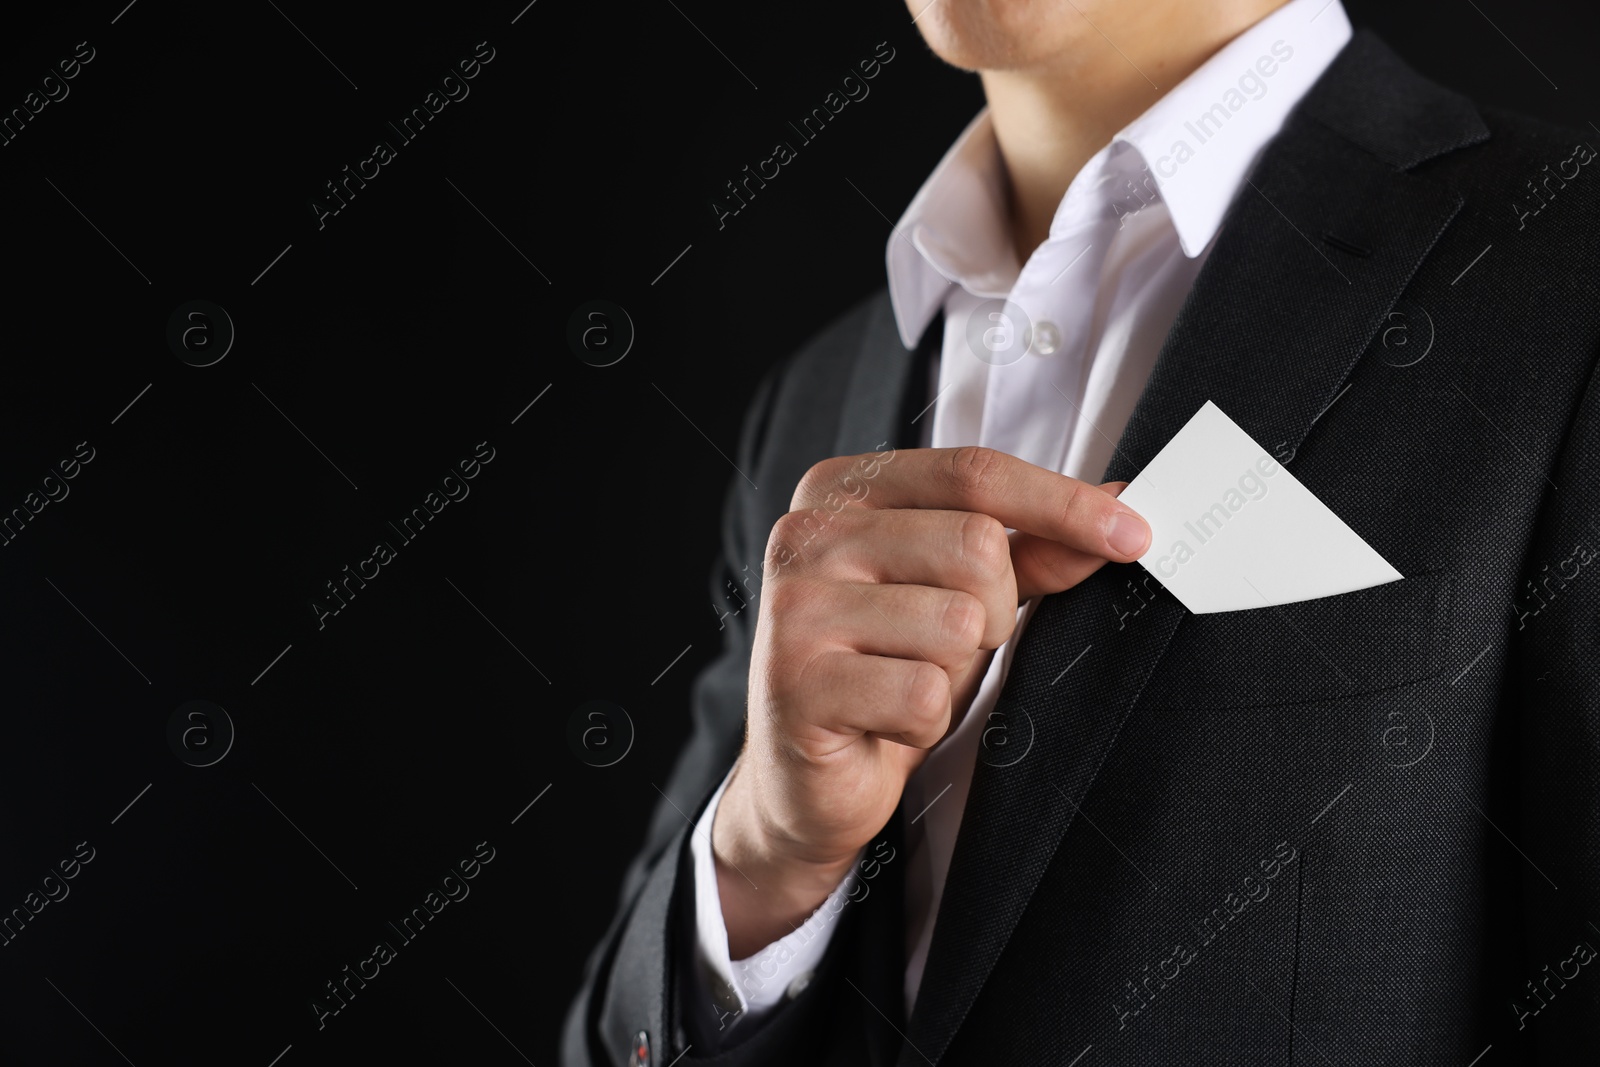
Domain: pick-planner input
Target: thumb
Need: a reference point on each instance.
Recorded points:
(1044, 566)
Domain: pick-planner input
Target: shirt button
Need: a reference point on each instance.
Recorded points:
(1046, 338)
(798, 986)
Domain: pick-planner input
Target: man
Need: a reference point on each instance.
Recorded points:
(975, 788)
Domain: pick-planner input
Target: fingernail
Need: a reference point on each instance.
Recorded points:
(1126, 533)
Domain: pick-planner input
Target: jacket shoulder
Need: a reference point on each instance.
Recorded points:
(811, 387)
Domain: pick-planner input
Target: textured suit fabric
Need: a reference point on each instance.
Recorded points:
(1362, 829)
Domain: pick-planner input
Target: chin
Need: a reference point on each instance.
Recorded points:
(1000, 34)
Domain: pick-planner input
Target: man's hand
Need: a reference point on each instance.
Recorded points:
(886, 590)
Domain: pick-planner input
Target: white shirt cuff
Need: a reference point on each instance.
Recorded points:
(747, 990)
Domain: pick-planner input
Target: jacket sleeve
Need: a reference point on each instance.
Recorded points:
(1555, 682)
(629, 979)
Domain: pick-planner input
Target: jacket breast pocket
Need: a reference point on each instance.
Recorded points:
(1324, 649)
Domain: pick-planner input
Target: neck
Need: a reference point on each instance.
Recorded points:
(1050, 120)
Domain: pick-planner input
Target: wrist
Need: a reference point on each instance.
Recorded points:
(766, 887)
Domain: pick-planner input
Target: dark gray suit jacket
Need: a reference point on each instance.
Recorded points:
(1363, 829)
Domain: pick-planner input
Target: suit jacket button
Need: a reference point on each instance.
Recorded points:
(640, 1054)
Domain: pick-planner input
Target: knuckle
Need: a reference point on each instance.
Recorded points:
(963, 620)
(788, 530)
(973, 470)
(927, 692)
(779, 600)
(787, 602)
(805, 669)
(985, 549)
(1076, 505)
(1057, 568)
(797, 675)
(818, 481)
(778, 554)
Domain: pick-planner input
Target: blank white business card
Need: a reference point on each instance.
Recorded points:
(1233, 529)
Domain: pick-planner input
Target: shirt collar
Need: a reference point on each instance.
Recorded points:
(1199, 142)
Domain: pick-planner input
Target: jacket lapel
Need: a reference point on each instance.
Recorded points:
(882, 400)
(1275, 322)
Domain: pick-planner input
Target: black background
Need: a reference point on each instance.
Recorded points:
(379, 350)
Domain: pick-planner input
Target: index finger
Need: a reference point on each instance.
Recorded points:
(1019, 494)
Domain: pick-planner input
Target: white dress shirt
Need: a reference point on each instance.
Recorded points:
(1043, 360)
